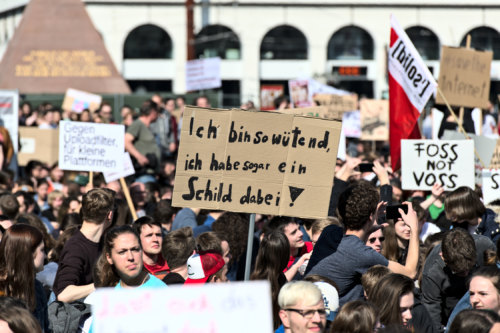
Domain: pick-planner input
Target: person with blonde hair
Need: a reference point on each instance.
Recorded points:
(301, 307)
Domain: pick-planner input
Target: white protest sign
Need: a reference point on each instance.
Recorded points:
(447, 162)
(90, 146)
(341, 153)
(491, 185)
(208, 308)
(203, 74)
(351, 124)
(128, 169)
(9, 118)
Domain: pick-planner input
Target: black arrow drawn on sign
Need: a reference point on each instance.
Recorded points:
(294, 193)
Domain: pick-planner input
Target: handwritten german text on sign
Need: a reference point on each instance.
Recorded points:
(90, 147)
(256, 162)
(447, 162)
(491, 185)
(464, 77)
(208, 308)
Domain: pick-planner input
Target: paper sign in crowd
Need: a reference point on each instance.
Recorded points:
(256, 162)
(91, 146)
(127, 170)
(426, 162)
(77, 101)
(491, 185)
(9, 116)
(205, 308)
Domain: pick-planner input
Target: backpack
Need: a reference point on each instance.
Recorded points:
(66, 317)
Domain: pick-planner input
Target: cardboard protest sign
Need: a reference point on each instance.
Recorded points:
(203, 74)
(320, 112)
(374, 119)
(206, 308)
(256, 162)
(448, 162)
(268, 93)
(313, 111)
(77, 101)
(495, 158)
(91, 146)
(9, 118)
(337, 104)
(491, 185)
(127, 170)
(464, 77)
(299, 93)
(38, 144)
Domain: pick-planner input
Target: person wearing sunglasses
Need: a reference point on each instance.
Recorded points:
(301, 308)
(376, 239)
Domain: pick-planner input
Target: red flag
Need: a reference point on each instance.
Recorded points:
(410, 87)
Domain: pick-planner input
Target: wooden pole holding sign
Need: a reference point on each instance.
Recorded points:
(461, 112)
(251, 230)
(91, 179)
(459, 125)
(129, 199)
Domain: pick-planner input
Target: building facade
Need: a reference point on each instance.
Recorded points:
(260, 42)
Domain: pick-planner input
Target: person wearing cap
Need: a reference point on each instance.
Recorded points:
(301, 308)
(206, 267)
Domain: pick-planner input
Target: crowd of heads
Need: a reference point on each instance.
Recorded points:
(403, 273)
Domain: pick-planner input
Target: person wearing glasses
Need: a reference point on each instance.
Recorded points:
(376, 239)
(301, 308)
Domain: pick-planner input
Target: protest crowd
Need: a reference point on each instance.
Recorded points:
(385, 259)
(430, 267)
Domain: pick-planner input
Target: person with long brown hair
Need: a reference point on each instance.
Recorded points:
(15, 318)
(272, 259)
(17, 273)
(120, 264)
(355, 317)
(393, 297)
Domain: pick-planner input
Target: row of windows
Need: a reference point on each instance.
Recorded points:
(286, 42)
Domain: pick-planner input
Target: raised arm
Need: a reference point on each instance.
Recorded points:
(411, 265)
